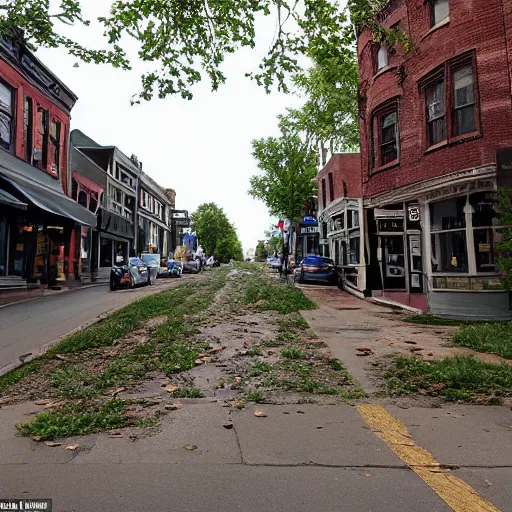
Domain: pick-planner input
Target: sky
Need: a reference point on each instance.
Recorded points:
(201, 148)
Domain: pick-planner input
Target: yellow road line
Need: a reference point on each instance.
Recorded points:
(455, 492)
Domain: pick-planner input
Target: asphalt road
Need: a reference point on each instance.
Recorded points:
(27, 326)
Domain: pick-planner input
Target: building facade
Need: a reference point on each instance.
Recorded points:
(341, 218)
(37, 217)
(117, 216)
(433, 122)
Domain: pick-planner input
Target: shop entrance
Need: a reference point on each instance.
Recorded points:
(393, 262)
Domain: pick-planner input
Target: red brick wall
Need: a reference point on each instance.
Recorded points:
(22, 88)
(345, 168)
(475, 25)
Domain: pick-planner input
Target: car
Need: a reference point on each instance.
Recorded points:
(274, 262)
(317, 269)
(152, 261)
(130, 273)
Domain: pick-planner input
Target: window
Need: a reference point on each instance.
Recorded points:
(331, 187)
(55, 130)
(106, 249)
(354, 247)
(93, 203)
(484, 219)
(382, 57)
(28, 128)
(388, 151)
(464, 101)
(451, 101)
(6, 116)
(324, 194)
(83, 198)
(439, 11)
(436, 112)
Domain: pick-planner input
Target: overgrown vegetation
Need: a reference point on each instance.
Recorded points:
(463, 378)
(80, 419)
(435, 320)
(495, 338)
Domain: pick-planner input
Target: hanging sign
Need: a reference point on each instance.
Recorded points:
(414, 213)
(388, 214)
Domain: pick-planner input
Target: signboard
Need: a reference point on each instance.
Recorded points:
(504, 162)
(306, 230)
(309, 220)
(388, 214)
(467, 283)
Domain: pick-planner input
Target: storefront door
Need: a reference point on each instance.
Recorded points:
(393, 262)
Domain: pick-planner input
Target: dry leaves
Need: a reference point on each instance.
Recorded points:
(170, 388)
(71, 447)
(260, 414)
(228, 425)
(173, 407)
(214, 350)
(37, 438)
(367, 475)
(116, 391)
(190, 447)
(52, 444)
(53, 405)
(238, 380)
(42, 402)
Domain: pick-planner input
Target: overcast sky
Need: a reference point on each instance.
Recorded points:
(202, 147)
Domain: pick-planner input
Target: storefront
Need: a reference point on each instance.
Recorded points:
(307, 238)
(345, 235)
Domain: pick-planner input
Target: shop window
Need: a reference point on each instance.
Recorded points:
(28, 128)
(324, 194)
(439, 11)
(448, 215)
(354, 247)
(6, 117)
(485, 219)
(449, 252)
(385, 136)
(436, 112)
(464, 101)
(106, 249)
(353, 219)
(382, 58)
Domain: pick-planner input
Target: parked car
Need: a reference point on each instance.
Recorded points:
(131, 273)
(152, 261)
(274, 262)
(317, 269)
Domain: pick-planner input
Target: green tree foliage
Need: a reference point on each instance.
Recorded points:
(261, 252)
(216, 234)
(184, 41)
(275, 245)
(288, 167)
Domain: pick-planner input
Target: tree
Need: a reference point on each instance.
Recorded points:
(275, 244)
(261, 252)
(187, 40)
(216, 234)
(504, 245)
(289, 167)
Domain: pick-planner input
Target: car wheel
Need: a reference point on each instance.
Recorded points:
(113, 285)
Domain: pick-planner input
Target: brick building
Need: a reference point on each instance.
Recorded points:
(432, 122)
(36, 215)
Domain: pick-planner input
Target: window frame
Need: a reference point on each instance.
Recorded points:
(377, 67)
(331, 187)
(324, 194)
(12, 117)
(378, 115)
(28, 128)
(432, 21)
(446, 72)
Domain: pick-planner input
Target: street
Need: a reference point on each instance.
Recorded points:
(289, 451)
(28, 326)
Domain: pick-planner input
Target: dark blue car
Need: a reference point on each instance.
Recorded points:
(317, 269)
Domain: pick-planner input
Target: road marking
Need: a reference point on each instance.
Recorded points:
(459, 496)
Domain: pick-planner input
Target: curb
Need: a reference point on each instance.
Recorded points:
(393, 304)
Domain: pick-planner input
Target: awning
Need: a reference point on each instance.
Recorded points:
(53, 202)
(9, 200)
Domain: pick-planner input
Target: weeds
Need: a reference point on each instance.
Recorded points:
(254, 396)
(259, 367)
(187, 393)
(254, 351)
(456, 378)
(495, 338)
(292, 353)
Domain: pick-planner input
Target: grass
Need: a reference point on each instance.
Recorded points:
(255, 395)
(276, 296)
(495, 338)
(254, 351)
(456, 378)
(78, 419)
(259, 367)
(435, 320)
(187, 393)
(292, 353)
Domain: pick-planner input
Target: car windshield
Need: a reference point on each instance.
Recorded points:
(151, 259)
(317, 260)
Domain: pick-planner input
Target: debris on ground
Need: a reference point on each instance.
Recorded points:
(190, 447)
(52, 444)
(260, 414)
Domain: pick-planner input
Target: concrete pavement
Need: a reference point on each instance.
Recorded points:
(28, 326)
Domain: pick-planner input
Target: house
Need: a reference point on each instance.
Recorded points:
(37, 217)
